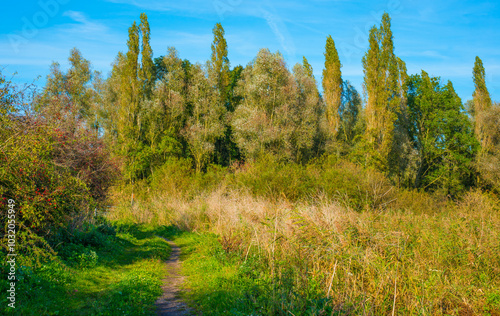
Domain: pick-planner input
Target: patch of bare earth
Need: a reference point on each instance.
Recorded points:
(170, 303)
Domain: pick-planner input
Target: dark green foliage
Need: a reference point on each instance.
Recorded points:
(225, 81)
(234, 98)
(441, 133)
(226, 149)
(349, 111)
(159, 68)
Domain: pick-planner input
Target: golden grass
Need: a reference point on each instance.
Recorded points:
(388, 260)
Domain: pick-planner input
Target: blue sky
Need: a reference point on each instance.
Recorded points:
(440, 37)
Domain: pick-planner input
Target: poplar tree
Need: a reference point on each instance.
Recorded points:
(486, 129)
(218, 66)
(147, 73)
(307, 67)
(128, 91)
(382, 74)
(481, 102)
(332, 86)
(219, 77)
(130, 86)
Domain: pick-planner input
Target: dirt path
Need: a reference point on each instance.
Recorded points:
(170, 304)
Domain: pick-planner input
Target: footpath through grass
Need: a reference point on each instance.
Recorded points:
(224, 279)
(105, 270)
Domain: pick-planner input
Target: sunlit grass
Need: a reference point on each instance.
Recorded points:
(125, 281)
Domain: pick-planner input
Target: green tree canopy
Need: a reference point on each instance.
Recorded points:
(441, 133)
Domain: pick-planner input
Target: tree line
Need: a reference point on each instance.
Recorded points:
(414, 128)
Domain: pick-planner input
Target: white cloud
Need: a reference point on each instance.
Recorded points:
(281, 32)
(84, 25)
(155, 5)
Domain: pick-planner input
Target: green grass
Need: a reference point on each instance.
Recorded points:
(222, 282)
(124, 280)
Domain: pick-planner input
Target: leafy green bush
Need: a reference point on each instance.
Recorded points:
(358, 188)
(173, 176)
(79, 255)
(177, 175)
(89, 235)
(54, 168)
(107, 229)
(271, 178)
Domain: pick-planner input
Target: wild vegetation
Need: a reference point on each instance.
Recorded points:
(286, 200)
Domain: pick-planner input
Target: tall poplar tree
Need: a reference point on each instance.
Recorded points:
(382, 73)
(332, 86)
(130, 88)
(218, 66)
(486, 129)
(147, 73)
(219, 76)
(481, 102)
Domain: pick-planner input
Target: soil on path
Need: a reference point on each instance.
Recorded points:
(170, 303)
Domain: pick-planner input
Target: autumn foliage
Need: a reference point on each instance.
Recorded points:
(55, 169)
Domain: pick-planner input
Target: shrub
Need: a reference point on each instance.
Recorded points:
(54, 168)
(79, 255)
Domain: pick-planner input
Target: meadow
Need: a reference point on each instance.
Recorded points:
(323, 239)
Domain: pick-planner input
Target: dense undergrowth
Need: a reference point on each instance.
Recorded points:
(327, 237)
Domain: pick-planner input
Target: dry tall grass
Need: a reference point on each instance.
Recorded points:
(378, 262)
